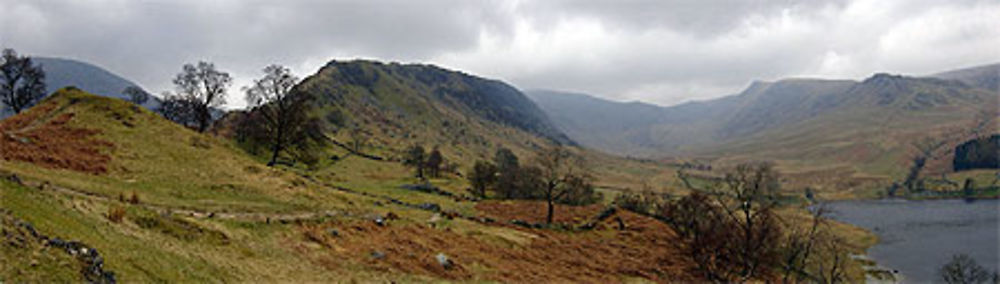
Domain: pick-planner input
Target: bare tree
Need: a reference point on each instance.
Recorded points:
(800, 246)
(22, 84)
(963, 269)
(204, 87)
(748, 199)
(558, 167)
(283, 112)
(136, 95)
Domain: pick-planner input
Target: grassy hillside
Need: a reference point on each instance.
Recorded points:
(204, 211)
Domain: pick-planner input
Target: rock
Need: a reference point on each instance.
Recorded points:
(436, 218)
(429, 207)
(391, 216)
(13, 178)
(520, 223)
(334, 233)
(377, 255)
(444, 261)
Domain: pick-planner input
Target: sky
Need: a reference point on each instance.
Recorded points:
(663, 52)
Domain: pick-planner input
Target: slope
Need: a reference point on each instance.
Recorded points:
(203, 211)
(646, 130)
(985, 77)
(397, 105)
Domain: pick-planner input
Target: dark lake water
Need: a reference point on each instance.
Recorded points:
(918, 237)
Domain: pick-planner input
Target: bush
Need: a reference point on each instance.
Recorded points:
(116, 214)
(645, 202)
(134, 199)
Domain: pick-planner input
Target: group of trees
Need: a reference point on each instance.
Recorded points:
(555, 176)
(22, 83)
(277, 118)
(731, 232)
(425, 164)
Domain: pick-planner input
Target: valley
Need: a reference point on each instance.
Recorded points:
(96, 188)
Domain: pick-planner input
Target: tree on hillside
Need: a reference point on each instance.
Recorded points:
(279, 114)
(359, 139)
(204, 87)
(560, 175)
(482, 176)
(434, 162)
(508, 170)
(177, 109)
(416, 157)
(22, 83)
(136, 95)
(748, 198)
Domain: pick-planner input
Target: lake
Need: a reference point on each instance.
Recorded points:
(918, 237)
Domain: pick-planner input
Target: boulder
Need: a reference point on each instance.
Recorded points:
(443, 260)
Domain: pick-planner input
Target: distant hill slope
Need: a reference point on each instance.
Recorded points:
(61, 73)
(871, 122)
(986, 77)
(397, 105)
(649, 130)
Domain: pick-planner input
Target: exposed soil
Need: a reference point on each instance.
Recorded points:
(39, 138)
(536, 211)
(604, 255)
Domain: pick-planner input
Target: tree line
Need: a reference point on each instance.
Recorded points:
(555, 175)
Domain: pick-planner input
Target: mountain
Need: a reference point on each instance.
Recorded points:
(867, 125)
(986, 77)
(649, 130)
(396, 105)
(61, 72)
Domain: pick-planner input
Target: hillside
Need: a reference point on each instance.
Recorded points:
(985, 77)
(638, 129)
(94, 188)
(397, 105)
(862, 129)
(61, 73)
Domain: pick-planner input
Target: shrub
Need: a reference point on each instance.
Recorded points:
(645, 202)
(134, 199)
(116, 214)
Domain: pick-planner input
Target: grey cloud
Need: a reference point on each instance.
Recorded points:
(663, 52)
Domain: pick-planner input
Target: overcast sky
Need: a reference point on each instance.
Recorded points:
(662, 52)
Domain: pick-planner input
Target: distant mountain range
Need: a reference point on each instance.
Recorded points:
(60, 73)
(791, 118)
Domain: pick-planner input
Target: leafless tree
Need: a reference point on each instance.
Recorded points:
(558, 167)
(963, 269)
(748, 199)
(22, 84)
(204, 87)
